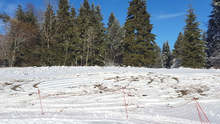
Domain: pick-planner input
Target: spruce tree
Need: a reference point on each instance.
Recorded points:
(139, 45)
(178, 51)
(74, 48)
(48, 35)
(114, 41)
(166, 56)
(83, 24)
(158, 60)
(91, 35)
(193, 47)
(62, 32)
(97, 34)
(213, 36)
(20, 16)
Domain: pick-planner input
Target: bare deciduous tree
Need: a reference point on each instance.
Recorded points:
(19, 34)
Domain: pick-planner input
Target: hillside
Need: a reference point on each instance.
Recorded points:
(102, 95)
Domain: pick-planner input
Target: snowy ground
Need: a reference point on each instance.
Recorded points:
(95, 95)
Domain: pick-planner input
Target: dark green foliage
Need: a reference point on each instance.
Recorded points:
(83, 24)
(48, 35)
(213, 36)
(63, 34)
(139, 45)
(166, 56)
(74, 38)
(98, 49)
(24, 39)
(91, 35)
(178, 51)
(69, 38)
(114, 41)
(158, 60)
(20, 15)
(193, 46)
(178, 47)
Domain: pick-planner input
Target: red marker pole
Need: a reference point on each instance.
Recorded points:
(206, 117)
(199, 108)
(199, 114)
(40, 101)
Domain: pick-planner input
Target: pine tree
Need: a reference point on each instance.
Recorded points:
(166, 56)
(30, 16)
(83, 24)
(97, 34)
(114, 41)
(91, 35)
(158, 59)
(74, 48)
(178, 51)
(20, 16)
(63, 23)
(139, 44)
(48, 35)
(194, 47)
(213, 36)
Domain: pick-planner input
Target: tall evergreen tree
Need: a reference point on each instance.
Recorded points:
(98, 37)
(20, 15)
(83, 24)
(178, 51)
(63, 23)
(213, 36)
(114, 41)
(158, 60)
(48, 35)
(139, 44)
(166, 56)
(194, 47)
(74, 48)
(30, 17)
(91, 35)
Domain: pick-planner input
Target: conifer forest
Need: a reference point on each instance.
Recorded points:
(65, 36)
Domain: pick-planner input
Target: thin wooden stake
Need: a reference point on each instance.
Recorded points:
(42, 112)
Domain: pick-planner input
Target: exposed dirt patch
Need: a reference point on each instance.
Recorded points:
(15, 88)
(7, 84)
(36, 85)
(176, 79)
(193, 89)
(183, 92)
(151, 80)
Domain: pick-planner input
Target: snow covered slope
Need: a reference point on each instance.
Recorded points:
(101, 95)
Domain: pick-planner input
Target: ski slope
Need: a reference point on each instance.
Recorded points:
(108, 95)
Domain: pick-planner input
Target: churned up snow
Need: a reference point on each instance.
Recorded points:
(108, 95)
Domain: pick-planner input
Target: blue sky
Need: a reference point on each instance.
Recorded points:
(167, 16)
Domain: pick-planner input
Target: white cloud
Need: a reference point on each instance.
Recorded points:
(168, 16)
